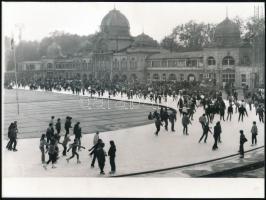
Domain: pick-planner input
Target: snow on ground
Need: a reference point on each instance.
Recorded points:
(138, 149)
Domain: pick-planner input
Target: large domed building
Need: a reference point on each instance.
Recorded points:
(227, 34)
(116, 55)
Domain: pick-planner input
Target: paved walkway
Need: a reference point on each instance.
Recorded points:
(138, 149)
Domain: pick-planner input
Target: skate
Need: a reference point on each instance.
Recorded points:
(78, 161)
(15, 150)
(67, 160)
(45, 166)
(53, 166)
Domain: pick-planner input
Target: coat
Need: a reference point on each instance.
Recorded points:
(254, 130)
(111, 151)
(101, 155)
(217, 131)
(185, 120)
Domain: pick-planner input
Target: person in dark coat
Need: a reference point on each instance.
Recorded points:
(77, 133)
(49, 133)
(112, 154)
(206, 130)
(58, 128)
(243, 139)
(68, 124)
(158, 125)
(94, 151)
(165, 117)
(221, 111)
(216, 135)
(13, 137)
(8, 146)
(101, 157)
(254, 132)
(74, 147)
(150, 116)
(242, 111)
(260, 111)
(172, 119)
(180, 104)
(230, 111)
(185, 123)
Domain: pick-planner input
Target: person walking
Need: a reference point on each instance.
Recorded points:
(101, 157)
(242, 111)
(185, 123)
(68, 124)
(206, 130)
(41, 147)
(165, 117)
(229, 112)
(13, 137)
(94, 152)
(77, 133)
(52, 152)
(243, 139)
(158, 125)
(8, 146)
(49, 133)
(260, 111)
(64, 144)
(216, 135)
(74, 147)
(58, 128)
(203, 120)
(254, 132)
(172, 119)
(112, 154)
(52, 121)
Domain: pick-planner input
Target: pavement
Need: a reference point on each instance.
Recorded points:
(139, 150)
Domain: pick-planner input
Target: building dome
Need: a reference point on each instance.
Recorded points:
(144, 40)
(227, 33)
(115, 23)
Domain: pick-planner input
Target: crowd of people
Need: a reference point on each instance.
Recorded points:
(188, 95)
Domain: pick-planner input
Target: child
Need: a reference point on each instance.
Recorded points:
(111, 154)
(74, 150)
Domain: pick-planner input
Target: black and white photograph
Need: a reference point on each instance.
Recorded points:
(101, 98)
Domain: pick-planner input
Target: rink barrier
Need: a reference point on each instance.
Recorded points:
(183, 166)
(240, 169)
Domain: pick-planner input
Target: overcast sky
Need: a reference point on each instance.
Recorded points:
(84, 18)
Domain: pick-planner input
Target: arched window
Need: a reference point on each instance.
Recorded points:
(211, 60)
(156, 77)
(164, 77)
(49, 66)
(172, 77)
(228, 60)
(148, 77)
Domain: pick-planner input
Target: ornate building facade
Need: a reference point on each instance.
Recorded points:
(117, 55)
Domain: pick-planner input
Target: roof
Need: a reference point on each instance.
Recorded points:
(115, 18)
(190, 54)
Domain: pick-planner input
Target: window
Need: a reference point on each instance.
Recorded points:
(181, 77)
(164, 63)
(192, 62)
(211, 61)
(164, 77)
(155, 77)
(49, 66)
(155, 64)
(200, 77)
(243, 78)
(245, 60)
(148, 77)
(172, 77)
(229, 78)
(228, 60)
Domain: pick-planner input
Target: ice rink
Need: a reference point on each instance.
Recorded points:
(138, 149)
